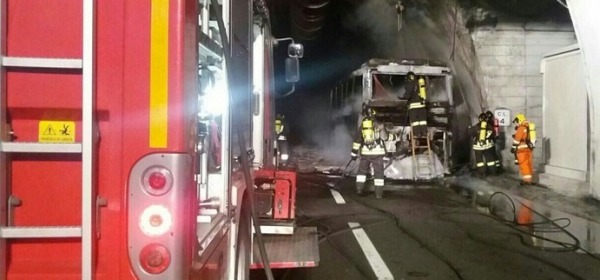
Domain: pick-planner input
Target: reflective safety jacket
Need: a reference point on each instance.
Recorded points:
(369, 140)
(483, 136)
(521, 137)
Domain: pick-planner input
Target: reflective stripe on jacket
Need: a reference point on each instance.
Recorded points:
(416, 105)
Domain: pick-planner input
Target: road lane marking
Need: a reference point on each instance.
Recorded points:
(377, 264)
(337, 196)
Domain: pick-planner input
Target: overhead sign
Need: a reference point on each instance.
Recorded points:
(56, 132)
(503, 117)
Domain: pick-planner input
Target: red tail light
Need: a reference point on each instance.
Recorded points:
(157, 180)
(155, 258)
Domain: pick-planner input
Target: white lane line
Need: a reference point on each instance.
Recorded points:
(337, 196)
(377, 264)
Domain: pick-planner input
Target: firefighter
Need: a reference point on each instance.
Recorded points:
(417, 113)
(281, 146)
(483, 146)
(491, 120)
(523, 147)
(369, 143)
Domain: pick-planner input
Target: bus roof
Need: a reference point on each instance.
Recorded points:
(403, 66)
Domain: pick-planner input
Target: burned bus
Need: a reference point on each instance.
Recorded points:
(379, 84)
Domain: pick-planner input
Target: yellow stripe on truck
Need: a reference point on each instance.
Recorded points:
(159, 73)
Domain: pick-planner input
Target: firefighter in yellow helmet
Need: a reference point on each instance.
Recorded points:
(369, 143)
(523, 144)
(281, 144)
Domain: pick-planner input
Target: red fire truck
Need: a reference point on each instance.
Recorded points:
(134, 135)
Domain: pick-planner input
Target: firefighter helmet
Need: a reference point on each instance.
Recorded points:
(489, 115)
(410, 76)
(367, 110)
(482, 117)
(279, 123)
(519, 118)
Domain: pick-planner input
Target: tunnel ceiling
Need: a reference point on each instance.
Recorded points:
(335, 43)
(310, 20)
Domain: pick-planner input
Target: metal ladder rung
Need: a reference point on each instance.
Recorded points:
(38, 62)
(40, 232)
(34, 147)
(209, 47)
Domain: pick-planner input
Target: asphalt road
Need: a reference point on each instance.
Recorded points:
(425, 232)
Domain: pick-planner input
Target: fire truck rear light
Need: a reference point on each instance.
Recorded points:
(157, 180)
(155, 220)
(155, 258)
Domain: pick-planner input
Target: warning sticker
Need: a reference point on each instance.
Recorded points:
(56, 132)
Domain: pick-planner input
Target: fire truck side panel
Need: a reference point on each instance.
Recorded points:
(110, 57)
(48, 187)
(146, 99)
(162, 96)
(44, 28)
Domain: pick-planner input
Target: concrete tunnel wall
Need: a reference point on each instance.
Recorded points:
(510, 55)
(584, 14)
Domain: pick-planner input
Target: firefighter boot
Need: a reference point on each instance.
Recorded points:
(379, 192)
(379, 188)
(360, 187)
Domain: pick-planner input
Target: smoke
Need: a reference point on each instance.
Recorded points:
(328, 131)
(344, 122)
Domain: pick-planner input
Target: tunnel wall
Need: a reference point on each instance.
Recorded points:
(510, 55)
(584, 15)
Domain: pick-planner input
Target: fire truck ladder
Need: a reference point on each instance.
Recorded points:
(422, 157)
(86, 231)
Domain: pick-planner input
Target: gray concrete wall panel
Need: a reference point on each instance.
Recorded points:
(510, 57)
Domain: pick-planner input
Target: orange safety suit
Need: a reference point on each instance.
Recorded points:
(524, 151)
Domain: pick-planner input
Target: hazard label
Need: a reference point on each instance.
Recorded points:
(56, 132)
